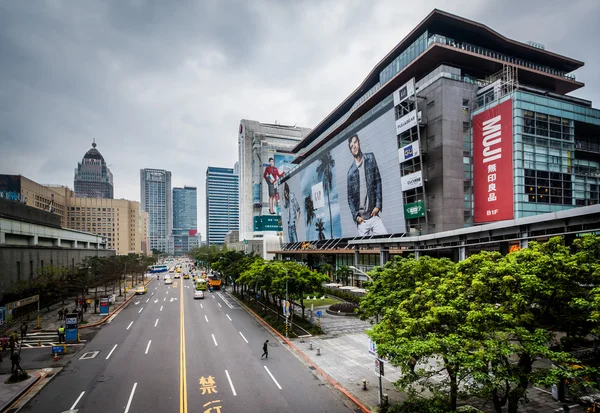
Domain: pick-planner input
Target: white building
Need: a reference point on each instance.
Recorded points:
(257, 143)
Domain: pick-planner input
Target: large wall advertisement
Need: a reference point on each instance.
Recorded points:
(278, 164)
(351, 190)
(493, 164)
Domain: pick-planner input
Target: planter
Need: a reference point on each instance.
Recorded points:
(341, 313)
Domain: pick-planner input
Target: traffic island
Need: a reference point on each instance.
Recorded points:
(17, 377)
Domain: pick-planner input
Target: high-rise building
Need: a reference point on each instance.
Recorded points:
(185, 220)
(457, 126)
(222, 203)
(119, 221)
(156, 198)
(93, 179)
(258, 143)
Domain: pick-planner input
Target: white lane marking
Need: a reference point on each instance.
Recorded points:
(201, 306)
(230, 383)
(147, 300)
(225, 301)
(79, 398)
(148, 347)
(220, 305)
(228, 317)
(160, 308)
(214, 339)
(212, 296)
(109, 354)
(165, 299)
(243, 337)
(156, 322)
(127, 329)
(152, 293)
(277, 384)
(140, 310)
(130, 398)
(206, 318)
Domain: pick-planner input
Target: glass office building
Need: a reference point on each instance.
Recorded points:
(156, 198)
(185, 220)
(222, 203)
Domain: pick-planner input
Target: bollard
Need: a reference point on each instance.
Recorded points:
(310, 346)
(384, 399)
(318, 351)
(39, 343)
(364, 382)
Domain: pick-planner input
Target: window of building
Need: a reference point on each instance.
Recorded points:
(548, 187)
(466, 126)
(431, 103)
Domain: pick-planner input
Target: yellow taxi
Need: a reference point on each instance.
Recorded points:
(186, 276)
(141, 290)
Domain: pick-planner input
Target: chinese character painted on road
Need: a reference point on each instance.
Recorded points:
(208, 385)
(492, 197)
(492, 188)
(217, 409)
(492, 178)
(491, 168)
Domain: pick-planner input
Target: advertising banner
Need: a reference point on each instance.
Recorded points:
(414, 210)
(412, 181)
(493, 164)
(407, 89)
(278, 164)
(410, 151)
(351, 189)
(406, 122)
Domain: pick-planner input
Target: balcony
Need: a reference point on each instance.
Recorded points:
(586, 146)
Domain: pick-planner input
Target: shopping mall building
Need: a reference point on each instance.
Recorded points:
(459, 140)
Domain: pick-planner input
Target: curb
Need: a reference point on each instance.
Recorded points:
(113, 311)
(24, 392)
(305, 357)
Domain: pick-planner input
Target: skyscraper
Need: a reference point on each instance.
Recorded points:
(185, 220)
(93, 179)
(222, 203)
(156, 198)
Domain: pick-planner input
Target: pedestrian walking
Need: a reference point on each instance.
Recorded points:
(61, 334)
(85, 305)
(15, 360)
(24, 329)
(60, 313)
(265, 353)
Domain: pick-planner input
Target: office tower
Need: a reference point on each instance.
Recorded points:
(93, 179)
(222, 203)
(185, 220)
(156, 198)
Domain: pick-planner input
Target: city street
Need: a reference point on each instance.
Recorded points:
(147, 360)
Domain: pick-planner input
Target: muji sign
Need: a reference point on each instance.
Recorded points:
(493, 164)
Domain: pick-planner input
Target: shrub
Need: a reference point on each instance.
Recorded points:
(420, 405)
(344, 295)
(344, 307)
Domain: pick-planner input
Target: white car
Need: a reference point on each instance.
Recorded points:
(168, 280)
(198, 294)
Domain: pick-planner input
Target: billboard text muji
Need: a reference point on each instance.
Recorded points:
(493, 164)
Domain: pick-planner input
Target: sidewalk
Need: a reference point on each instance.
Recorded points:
(344, 356)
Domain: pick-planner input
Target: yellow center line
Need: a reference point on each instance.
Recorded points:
(182, 370)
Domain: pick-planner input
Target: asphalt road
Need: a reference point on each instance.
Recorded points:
(148, 361)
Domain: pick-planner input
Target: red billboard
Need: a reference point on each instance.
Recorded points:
(493, 164)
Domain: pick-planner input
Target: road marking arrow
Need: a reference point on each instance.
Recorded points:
(156, 301)
(137, 302)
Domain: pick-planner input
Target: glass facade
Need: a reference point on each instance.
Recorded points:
(156, 197)
(222, 204)
(185, 209)
(556, 154)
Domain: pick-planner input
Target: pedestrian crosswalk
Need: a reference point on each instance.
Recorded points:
(41, 339)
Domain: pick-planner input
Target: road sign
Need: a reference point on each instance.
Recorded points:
(372, 348)
(319, 313)
(379, 367)
(58, 349)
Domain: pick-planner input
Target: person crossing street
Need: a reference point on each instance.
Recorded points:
(265, 350)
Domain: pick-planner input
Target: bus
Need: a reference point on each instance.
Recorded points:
(157, 268)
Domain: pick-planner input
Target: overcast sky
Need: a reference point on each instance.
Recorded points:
(163, 84)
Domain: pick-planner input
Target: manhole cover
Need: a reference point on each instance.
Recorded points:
(104, 378)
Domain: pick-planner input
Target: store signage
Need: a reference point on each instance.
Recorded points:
(23, 302)
(406, 90)
(406, 122)
(409, 151)
(412, 181)
(414, 210)
(317, 195)
(492, 164)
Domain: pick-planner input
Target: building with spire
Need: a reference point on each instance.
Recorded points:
(93, 179)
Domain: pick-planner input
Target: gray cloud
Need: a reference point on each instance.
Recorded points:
(164, 84)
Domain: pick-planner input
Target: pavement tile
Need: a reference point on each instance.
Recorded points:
(9, 392)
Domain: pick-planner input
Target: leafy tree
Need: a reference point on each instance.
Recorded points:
(325, 174)
(343, 273)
